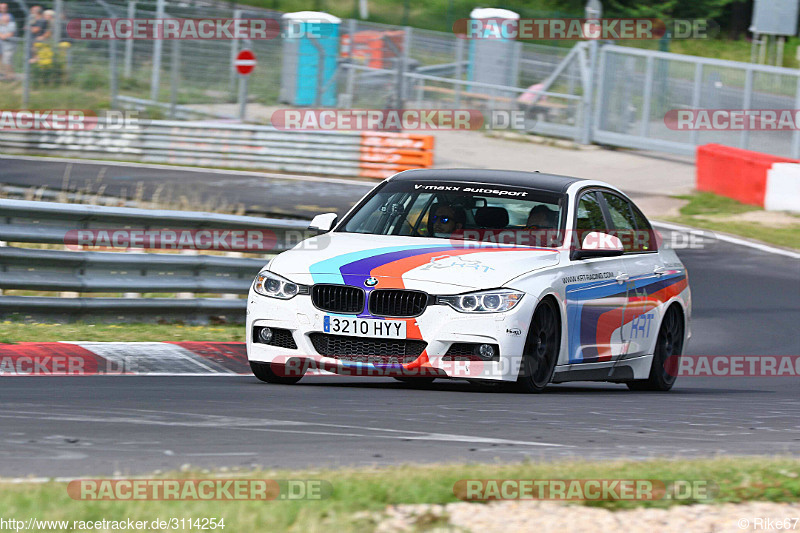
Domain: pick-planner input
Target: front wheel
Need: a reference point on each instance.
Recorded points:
(275, 374)
(669, 347)
(541, 348)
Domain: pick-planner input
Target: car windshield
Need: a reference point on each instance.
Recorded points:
(463, 211)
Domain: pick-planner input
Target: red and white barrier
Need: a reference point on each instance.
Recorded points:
(749, 177)
(783, 188)
(123, 358)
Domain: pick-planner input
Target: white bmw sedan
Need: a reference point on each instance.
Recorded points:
(483, 275)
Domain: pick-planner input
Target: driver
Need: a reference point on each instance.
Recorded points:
(447, 219)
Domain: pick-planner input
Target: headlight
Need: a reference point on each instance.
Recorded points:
(274, 286)
(495, 301)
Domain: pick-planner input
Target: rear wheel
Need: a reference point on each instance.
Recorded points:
(669, 347)
(541, 348)
(275, 374)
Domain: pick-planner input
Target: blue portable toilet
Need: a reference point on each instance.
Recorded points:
(494, 60)
(310, 54)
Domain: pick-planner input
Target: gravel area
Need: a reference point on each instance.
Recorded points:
(546, 517)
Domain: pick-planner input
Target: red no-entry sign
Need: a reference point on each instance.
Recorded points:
(245, 62)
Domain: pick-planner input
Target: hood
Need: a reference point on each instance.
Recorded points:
(431, 265)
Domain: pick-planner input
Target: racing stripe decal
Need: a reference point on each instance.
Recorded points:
(356, 272)
(394, 271)
(328, 271)
(598, 313)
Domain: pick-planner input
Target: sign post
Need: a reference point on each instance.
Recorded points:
(245, 63)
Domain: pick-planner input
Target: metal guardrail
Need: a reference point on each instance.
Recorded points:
(345, 153)
(131, 272)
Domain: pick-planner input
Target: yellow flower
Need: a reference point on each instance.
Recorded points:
(64, 44)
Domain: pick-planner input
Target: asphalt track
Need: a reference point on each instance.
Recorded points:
(264, 194)
(745, 303)
(255, 193)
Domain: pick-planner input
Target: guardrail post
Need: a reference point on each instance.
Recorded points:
(58, 7)
(588, 97)
(134, 295)
(231, 296)
(697, 92)
(68, 294)
(186, 295)
(176, 65)
(237, 14)
(155, 77)
(128, 62)
(112, 51)
(402, 66)
(243, 97)
(459, 70)
(648, 97)
(350, 84)
(744, 139)
(26, 67)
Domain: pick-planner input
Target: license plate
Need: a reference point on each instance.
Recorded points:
(364, 327)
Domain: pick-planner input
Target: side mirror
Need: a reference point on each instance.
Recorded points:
(323, 223)
(598, 244)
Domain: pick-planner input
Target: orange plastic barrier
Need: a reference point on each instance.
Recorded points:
(735, 173)
(371, 47)
(384, 153)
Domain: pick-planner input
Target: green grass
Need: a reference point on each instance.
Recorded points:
(706, 203)
(370, 490)
(12, 331)
(718, 213)
(64, 97)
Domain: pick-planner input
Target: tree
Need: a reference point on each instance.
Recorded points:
(663, 9)
(666, 9)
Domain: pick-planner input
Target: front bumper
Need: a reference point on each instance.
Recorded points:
(439, 326)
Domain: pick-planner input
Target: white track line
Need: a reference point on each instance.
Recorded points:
(731, 239)
(292, 177)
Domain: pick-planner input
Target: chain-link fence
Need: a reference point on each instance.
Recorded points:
(638, 88)
(591, 93)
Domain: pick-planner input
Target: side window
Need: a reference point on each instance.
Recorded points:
(634, 238)
(589, 217)
(645, 231)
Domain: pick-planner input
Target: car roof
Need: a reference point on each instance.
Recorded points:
(532, 180)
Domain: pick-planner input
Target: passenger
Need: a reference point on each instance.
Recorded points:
(540, 224)
(540, 218)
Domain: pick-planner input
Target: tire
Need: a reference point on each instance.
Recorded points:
(541, 348)
(669, 344)
(265, 373)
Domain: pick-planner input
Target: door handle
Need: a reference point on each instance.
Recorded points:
(659, 270)
(622, 277)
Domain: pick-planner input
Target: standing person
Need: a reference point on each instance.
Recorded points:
(35, 23)
(8, 31)
(34, 16)
(4, 11)
(45, 26)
